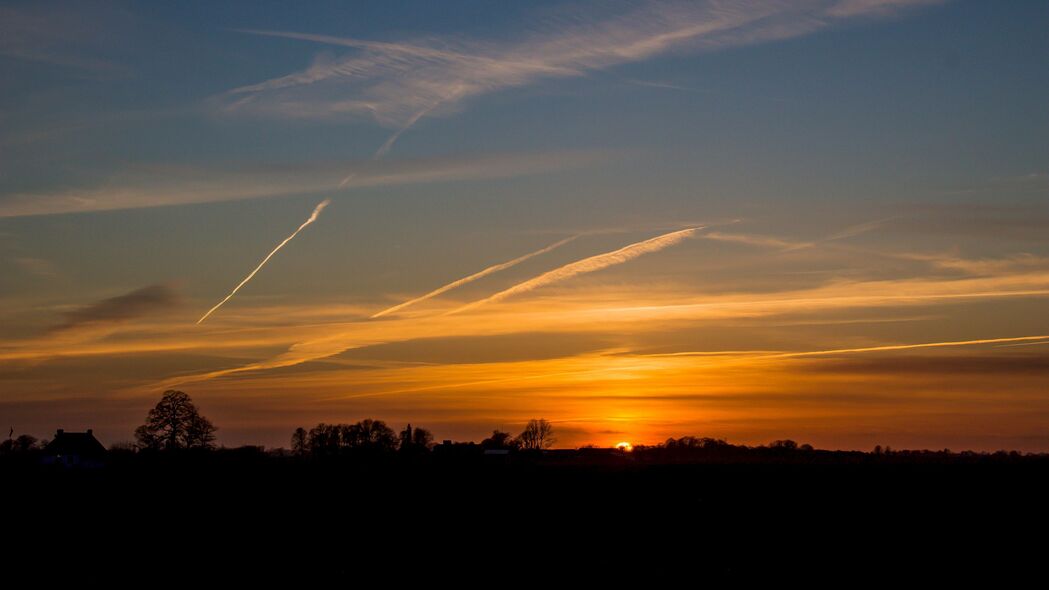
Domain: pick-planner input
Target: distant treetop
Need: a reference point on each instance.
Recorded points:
(174, 423)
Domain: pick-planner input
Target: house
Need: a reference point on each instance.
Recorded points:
(74, 449)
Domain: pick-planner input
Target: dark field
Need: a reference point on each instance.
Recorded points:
(836, 517)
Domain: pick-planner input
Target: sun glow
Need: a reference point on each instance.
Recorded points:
(625, 447)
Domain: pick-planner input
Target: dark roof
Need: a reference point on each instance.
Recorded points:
(83, 444)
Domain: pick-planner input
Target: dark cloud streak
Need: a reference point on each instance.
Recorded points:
(140, 302)
(1026, 364)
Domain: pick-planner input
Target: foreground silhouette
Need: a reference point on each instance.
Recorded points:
(175, 424)
(348, 497)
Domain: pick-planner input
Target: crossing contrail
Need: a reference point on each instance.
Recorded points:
(491, 269)
(313, 217)
(383, 149)
(388, 144)
(586, 265)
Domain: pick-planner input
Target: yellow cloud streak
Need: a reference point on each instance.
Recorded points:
(469, 279)
(587, 265)
(735, 397)
(579, 311)
(889, 347)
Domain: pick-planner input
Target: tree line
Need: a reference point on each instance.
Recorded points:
(376, 436)
(175, 423)
(366, 435)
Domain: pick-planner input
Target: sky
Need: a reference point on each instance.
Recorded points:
(823, 220)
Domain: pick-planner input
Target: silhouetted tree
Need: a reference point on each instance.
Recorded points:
(500, 440)
(24, 443)
(694, 442)
(406, 438)
(299, 441)
(786, 445)
(324, 439)
(200, 433)
(418, 439)
(422, 438)
(370, 434)
(175, 423)
(537, 435)
(331, 439)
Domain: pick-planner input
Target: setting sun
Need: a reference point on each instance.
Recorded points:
(625, 447)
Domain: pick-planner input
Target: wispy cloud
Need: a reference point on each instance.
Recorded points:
(587, 265)
(388, 144)
(61, 34)
(982, 266)
(313, 333)
(160, 186)
(471, 278)
(754, 240)
(396, 83)
(853, 8)
(665, 85)
(792, 245)
(858, 229)
(35, 266)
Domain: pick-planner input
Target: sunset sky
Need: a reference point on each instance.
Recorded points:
(824, 220)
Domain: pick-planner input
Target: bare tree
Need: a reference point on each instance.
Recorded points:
(200, 433)
(537, 435)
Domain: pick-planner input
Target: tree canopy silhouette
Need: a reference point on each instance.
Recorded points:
(174, 423)
(500, 440)
(366, 435)
(23, 444)
(300, 441)
(415, 439)
(371, 434)
(537, 435)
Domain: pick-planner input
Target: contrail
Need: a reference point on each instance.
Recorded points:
(586, 265)
(313, 217)
(891, 347)
(907, 346)
(385, 147)
(388, 144)
(491, 269)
